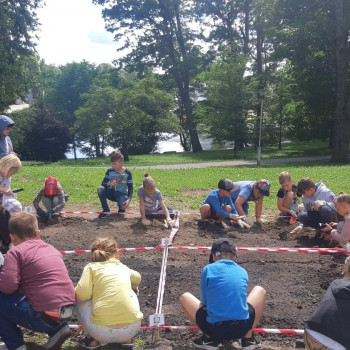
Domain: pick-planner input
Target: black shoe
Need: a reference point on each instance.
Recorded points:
(104, 215)
(127, 346)
(204, 342)
(221, 225)
(250, 343)
(201, 223)
(121, 211)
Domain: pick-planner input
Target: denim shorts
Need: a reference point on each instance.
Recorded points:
(225, 330)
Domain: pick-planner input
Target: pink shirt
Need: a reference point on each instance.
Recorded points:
(36, 269)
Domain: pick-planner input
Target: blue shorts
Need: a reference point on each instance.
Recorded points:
(225, 330)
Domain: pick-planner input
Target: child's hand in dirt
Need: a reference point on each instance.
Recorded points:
(146, 222)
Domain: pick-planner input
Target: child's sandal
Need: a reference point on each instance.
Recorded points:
(86, 342)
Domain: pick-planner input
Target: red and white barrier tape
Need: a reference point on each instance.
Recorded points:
(256, 330)
(242, 249)
(161, 287)
(137, 213)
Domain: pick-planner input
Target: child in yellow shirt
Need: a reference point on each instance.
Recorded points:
(108, 307)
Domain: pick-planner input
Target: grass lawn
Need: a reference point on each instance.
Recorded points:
(181, 188)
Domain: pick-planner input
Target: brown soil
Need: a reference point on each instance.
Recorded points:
(295, 282)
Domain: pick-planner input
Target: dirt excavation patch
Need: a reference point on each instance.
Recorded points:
(295, 282)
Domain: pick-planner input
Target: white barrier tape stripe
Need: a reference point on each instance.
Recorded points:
(163, 282)
(243, 249)
(161, 287)
(159, 293)
(256, 330)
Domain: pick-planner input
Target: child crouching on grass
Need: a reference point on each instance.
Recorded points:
(108, 307)
(35, 289)
(152, 204)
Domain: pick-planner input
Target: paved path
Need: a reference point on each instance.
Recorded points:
(231, 163)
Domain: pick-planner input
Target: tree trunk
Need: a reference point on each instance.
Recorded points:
(342, 118)
(182, 76)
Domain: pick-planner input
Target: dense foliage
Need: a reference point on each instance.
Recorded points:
(223, 64)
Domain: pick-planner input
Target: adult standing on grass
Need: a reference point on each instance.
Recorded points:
(225, 313)
(250, 191)
(117, 186)
(6, 125)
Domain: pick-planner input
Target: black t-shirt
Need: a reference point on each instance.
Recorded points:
(282, 193)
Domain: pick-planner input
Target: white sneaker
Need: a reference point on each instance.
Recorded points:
(55, 342)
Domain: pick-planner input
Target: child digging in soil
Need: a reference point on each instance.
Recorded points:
(225, 312)
(318, 201)
(287, 198)
(117, 186)
(54, 198)
(250, 191)
(219, 206)
(152, 204)
(340, 231)
(35, 289)
(108, 307)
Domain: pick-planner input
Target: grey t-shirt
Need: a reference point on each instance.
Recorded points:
(151, 203)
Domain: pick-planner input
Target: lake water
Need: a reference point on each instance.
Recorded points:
(170, 145)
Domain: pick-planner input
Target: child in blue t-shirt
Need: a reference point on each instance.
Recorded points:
(225, 311)
(117, 186)
(152, 204)
(250, 191)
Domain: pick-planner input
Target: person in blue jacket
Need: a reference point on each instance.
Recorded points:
(6, 125)
(218, 205)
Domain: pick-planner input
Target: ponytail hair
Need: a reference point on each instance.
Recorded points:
(148, 182)
(104, 249)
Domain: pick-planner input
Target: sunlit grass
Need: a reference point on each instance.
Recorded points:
(185, 188)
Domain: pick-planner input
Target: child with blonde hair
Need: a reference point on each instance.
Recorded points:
(107, 307)
(152, 203)
(9, 165)
(287, 197)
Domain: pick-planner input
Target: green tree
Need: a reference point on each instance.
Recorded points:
(141, 112)
(92, 125)
(18, 23)
(40, 135)
(229, 95)
(65, 98)
(158, 34)
(313, 35)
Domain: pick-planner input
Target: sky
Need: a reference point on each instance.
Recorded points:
(73, 30)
